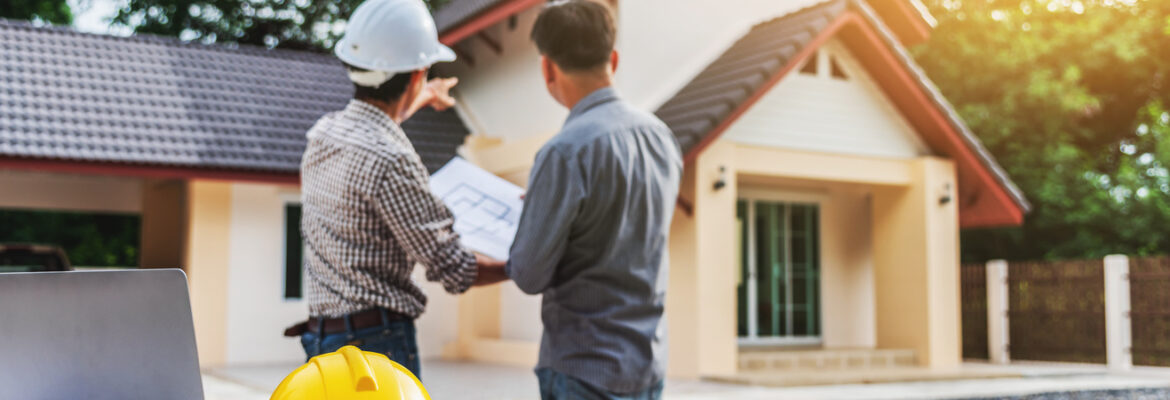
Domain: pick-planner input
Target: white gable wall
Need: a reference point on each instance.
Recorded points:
(823, 114)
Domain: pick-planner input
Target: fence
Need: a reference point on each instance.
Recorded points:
(1073, 311)
(1149, 281)
(973, 297)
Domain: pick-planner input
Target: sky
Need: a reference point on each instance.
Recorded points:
(93, 16)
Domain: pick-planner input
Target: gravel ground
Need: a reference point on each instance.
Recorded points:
(1133, 394)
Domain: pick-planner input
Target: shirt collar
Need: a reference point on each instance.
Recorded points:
(367, 112)
(598, 97)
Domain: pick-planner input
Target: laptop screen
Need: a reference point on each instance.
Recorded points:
(97, 335)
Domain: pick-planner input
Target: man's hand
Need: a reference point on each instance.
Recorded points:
(491, 271)
(436, 94)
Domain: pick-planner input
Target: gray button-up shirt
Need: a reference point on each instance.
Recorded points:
(593, 239)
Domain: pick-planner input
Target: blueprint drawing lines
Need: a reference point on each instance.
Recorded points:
(479, 213)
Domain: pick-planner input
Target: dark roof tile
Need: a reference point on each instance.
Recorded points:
(149, 100)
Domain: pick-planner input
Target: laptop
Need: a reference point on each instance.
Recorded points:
(97, 335)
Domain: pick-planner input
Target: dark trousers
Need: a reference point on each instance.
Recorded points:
(395, 339)
(557, 386)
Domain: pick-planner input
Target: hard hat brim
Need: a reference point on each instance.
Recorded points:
(441, 53)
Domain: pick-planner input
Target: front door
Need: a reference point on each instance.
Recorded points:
(779, 280)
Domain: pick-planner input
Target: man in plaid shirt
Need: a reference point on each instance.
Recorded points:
(368, 213)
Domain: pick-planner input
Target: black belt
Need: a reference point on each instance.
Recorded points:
(358, 320)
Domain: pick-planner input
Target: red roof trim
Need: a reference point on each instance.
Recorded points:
(913, 101)
(145, 171)
(486, 19)
(915, 30)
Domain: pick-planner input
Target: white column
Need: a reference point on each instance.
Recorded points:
(1118, 338)
(997, 312)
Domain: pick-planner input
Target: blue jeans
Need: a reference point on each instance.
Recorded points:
(557, 386)
(395, 339)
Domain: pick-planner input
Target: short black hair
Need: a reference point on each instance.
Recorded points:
(576, 35)
(389, 91)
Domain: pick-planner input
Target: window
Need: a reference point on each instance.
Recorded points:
(810, 66)
(824, 63)
(779, 292)
(836, 70)
(294, 249)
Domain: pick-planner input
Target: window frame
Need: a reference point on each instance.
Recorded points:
(789, 197)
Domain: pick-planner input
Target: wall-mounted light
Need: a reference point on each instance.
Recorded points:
(722, 181)
(944, 195)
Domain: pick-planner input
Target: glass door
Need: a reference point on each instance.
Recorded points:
(779, 274)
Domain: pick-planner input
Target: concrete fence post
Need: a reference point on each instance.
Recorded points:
(1118, 333)
(998, 342)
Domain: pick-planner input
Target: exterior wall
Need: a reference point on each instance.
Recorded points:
(207, 256)
(665, 43)
(55, 191)
(701, 299)
(916, 261)
(821, 113)
(251, 288)
(503, 95)
(258, 312)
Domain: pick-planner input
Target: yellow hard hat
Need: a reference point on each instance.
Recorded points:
(351, 374)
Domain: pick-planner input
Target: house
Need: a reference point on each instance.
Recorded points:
(826, 178)
(202, 142)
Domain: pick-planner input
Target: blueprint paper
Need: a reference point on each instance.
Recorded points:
(486, 207)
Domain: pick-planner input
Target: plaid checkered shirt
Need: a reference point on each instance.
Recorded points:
(368, 216)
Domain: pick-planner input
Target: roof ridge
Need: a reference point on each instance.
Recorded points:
(164, 40)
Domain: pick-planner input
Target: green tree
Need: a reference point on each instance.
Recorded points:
(1069, 96)
(295, 24)
(97, 240)
(51, 11)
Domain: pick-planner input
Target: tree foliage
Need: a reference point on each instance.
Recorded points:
(1070, 96)
(96, 240)
(50, 11)
(295, 24)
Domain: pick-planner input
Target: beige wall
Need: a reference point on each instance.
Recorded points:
(207, 257)
(916, 264)
(258, 312)
(700, 299)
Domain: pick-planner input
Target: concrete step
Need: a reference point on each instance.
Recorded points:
(827, 360)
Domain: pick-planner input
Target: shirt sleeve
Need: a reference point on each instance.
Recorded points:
(423, 225)
(555, 192)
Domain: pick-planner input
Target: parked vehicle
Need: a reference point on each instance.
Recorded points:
(16, 257)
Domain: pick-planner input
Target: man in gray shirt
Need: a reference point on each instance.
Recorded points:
(593, 234)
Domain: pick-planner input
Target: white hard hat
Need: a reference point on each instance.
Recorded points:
(388, 37)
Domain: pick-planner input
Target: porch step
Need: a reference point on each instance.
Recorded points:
(812, 360)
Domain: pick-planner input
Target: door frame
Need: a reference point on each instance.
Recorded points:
(788, 196)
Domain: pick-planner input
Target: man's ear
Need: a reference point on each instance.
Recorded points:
(548, 69)
(613, 61)
(418, 80)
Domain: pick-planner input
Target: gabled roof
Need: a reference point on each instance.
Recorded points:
(460, 19)
(729, 86)
(158, 102)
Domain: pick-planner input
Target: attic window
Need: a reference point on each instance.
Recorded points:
(810, 66)
(836, 71)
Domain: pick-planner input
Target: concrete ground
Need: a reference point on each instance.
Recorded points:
(459, 380)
